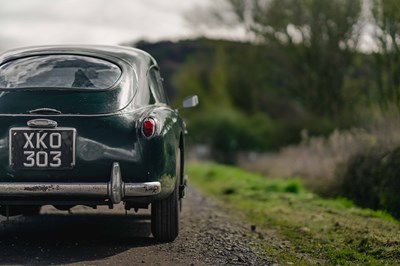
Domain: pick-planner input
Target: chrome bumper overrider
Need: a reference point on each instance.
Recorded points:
(116, 190)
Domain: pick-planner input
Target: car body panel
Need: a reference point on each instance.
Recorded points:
(107, 123)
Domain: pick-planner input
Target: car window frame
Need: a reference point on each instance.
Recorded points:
(49, 88)
(161, 96)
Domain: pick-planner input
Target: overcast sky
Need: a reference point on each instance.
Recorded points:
(37, 22)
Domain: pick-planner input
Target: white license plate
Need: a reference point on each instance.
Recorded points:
(42, 148)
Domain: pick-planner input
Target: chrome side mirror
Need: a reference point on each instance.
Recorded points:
(190, 101)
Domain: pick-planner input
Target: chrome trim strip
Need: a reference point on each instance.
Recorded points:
(116, 190)
(41, 110)
(118, 112)
(142, 189)
(52, 189)
(99, 190)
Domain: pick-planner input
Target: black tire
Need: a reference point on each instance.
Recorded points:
(165, 213)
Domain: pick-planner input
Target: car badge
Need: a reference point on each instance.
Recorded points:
(46, 123)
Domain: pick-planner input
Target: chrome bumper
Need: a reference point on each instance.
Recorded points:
(116, 190)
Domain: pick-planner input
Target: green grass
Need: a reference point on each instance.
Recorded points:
(312, 230)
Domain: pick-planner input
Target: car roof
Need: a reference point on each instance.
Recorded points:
(128, 54)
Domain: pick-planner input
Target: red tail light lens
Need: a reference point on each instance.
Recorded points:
(149, 127)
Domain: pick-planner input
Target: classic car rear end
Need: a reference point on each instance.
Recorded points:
(89, 126)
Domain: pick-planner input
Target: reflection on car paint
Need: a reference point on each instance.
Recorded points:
(91, 150)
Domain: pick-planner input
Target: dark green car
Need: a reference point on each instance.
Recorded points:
(89, 126)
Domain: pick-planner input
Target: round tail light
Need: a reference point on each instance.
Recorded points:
(148, 127)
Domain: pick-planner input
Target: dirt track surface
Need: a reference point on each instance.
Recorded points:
(209, 236)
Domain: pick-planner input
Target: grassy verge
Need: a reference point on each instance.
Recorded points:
(312, 230)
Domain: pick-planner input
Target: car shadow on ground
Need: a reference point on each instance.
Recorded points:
(63, 239)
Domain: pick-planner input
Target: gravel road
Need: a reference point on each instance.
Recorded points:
(209, 235)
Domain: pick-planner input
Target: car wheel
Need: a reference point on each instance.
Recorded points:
(165, 213)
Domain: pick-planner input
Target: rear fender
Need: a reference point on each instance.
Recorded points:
(160, 151)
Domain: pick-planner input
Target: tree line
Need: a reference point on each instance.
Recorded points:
(316, 42)
(301, 69)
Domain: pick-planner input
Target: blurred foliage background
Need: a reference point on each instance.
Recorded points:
(303, 94)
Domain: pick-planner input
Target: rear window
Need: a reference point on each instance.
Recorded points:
(59, 71)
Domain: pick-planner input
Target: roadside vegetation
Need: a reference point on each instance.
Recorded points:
(302, 95)
(311, 230)
(361, 164)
